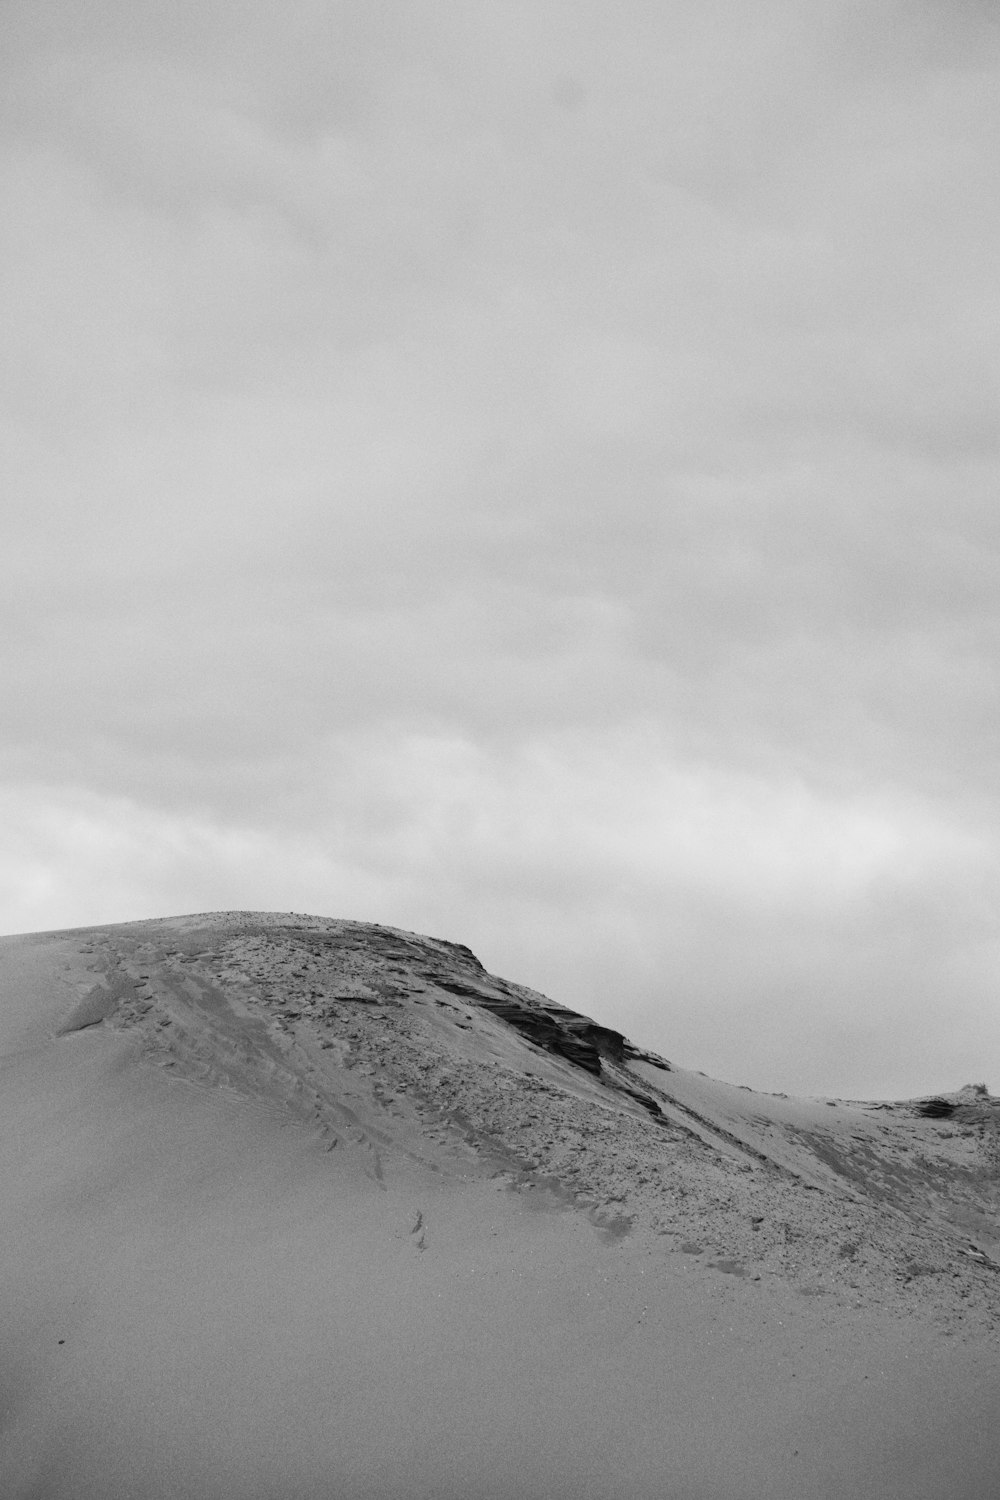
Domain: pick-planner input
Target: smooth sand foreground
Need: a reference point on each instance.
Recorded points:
(200, 1299)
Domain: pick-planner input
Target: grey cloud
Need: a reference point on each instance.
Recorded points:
(443, 444)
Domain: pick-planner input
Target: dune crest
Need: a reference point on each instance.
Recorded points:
(402, 1044)
(237, 1144)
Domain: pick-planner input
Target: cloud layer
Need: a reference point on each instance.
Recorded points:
(527, 473)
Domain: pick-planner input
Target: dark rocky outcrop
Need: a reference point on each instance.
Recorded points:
(563, 1033)
(936, 1109)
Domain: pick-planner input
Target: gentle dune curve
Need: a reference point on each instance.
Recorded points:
(296, 1207)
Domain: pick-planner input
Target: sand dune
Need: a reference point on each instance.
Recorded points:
(296, 1207)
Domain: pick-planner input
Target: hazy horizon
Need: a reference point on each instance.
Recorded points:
(525, 474)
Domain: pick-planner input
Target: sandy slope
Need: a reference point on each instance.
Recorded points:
(295, 1207)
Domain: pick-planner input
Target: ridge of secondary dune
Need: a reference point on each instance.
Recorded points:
(300, 1207)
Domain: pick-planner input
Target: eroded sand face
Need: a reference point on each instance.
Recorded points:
(306, 1208)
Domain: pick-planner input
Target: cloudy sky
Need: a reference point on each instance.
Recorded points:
(524, 471)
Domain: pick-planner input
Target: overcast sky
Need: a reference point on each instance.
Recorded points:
(524, 471)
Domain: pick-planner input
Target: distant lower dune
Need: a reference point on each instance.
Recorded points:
(296, 1207)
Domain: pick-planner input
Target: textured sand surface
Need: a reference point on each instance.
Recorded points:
(298, 1207)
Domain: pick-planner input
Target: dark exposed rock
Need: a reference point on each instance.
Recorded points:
(455, 986)
(936, 1109)
(639, 1054)
(541, 1027)
(608, 1043)
(563, 1032)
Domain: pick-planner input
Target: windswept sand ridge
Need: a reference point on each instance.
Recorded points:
(272, 1188)
(400, 1043)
